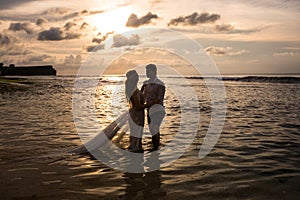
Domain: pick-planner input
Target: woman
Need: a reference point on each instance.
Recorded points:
(136, 111)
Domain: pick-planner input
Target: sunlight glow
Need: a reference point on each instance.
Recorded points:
(113, 20)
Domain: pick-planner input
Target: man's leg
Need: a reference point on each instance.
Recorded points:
(154, 127)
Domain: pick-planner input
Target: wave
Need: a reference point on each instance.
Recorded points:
(267, 79)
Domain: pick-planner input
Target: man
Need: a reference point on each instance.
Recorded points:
(153, 91)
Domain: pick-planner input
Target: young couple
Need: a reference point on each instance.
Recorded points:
(150, 97)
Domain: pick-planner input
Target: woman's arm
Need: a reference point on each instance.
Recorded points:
(151, 103)
(137, 101)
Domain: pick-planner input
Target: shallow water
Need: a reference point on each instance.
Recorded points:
(256, 157)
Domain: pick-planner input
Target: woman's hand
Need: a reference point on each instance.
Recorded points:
(149, 104)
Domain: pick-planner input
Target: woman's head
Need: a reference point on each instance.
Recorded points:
(131, 82)
(132, 76)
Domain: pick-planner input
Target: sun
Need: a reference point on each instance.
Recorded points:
(112, 20)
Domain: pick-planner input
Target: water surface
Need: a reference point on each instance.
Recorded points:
(256, 157)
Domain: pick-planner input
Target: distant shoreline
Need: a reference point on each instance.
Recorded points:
(42, 70)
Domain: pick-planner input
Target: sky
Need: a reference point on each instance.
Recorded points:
(240, 36)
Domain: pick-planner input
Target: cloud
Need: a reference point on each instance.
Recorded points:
(292, 48)
(56, 11)
(96, 46)
(101, 39)
(219, 51)
(220, 29)
(93, 47)
(84, 25)
(98, 40)
(4, 4)
(120, 40)
(224, 28)
(69, 25)
(37, 58)
(194, 19)
(72, 59)
(72, 35)
(9, 46)
(95, 12)
(222, 51)
(229, 29)
(286, 53)
(40, 21)
(56, 14)
(14, 51)
(21, 26)
(134, 21)
(56, 33)
(153, 3)
(5, 40)
(81, 13)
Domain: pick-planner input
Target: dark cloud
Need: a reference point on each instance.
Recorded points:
(56, 34)
(69, 25)
(229, 29)
(220, 29)
(40, 21)
(5, 4)
(101, 39)
(93, 47)
(72, 35)
(98, 40)
(224, 28)
(52, 15)
(57, 14)
(81, 13)
(21, 26)
(5, 40)
(94, 12)
(194, 19)
(84, 25)
(219, 51)
(134, 21)
(84, 12)
(120, 40)
(96, 46)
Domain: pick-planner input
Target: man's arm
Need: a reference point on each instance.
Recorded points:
(143, 88)
(161, 93)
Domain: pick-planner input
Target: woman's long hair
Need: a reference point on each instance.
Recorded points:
(131, 83)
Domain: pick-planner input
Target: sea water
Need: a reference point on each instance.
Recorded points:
(256, 157)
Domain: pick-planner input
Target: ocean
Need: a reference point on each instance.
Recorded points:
(257, 155)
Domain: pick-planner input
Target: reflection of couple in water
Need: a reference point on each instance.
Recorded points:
(150, 97)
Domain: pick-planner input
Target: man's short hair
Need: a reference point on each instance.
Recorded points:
(151, 67)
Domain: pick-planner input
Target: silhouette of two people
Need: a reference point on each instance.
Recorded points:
(149, 98)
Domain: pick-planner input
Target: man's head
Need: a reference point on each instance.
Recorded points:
(151, 71)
